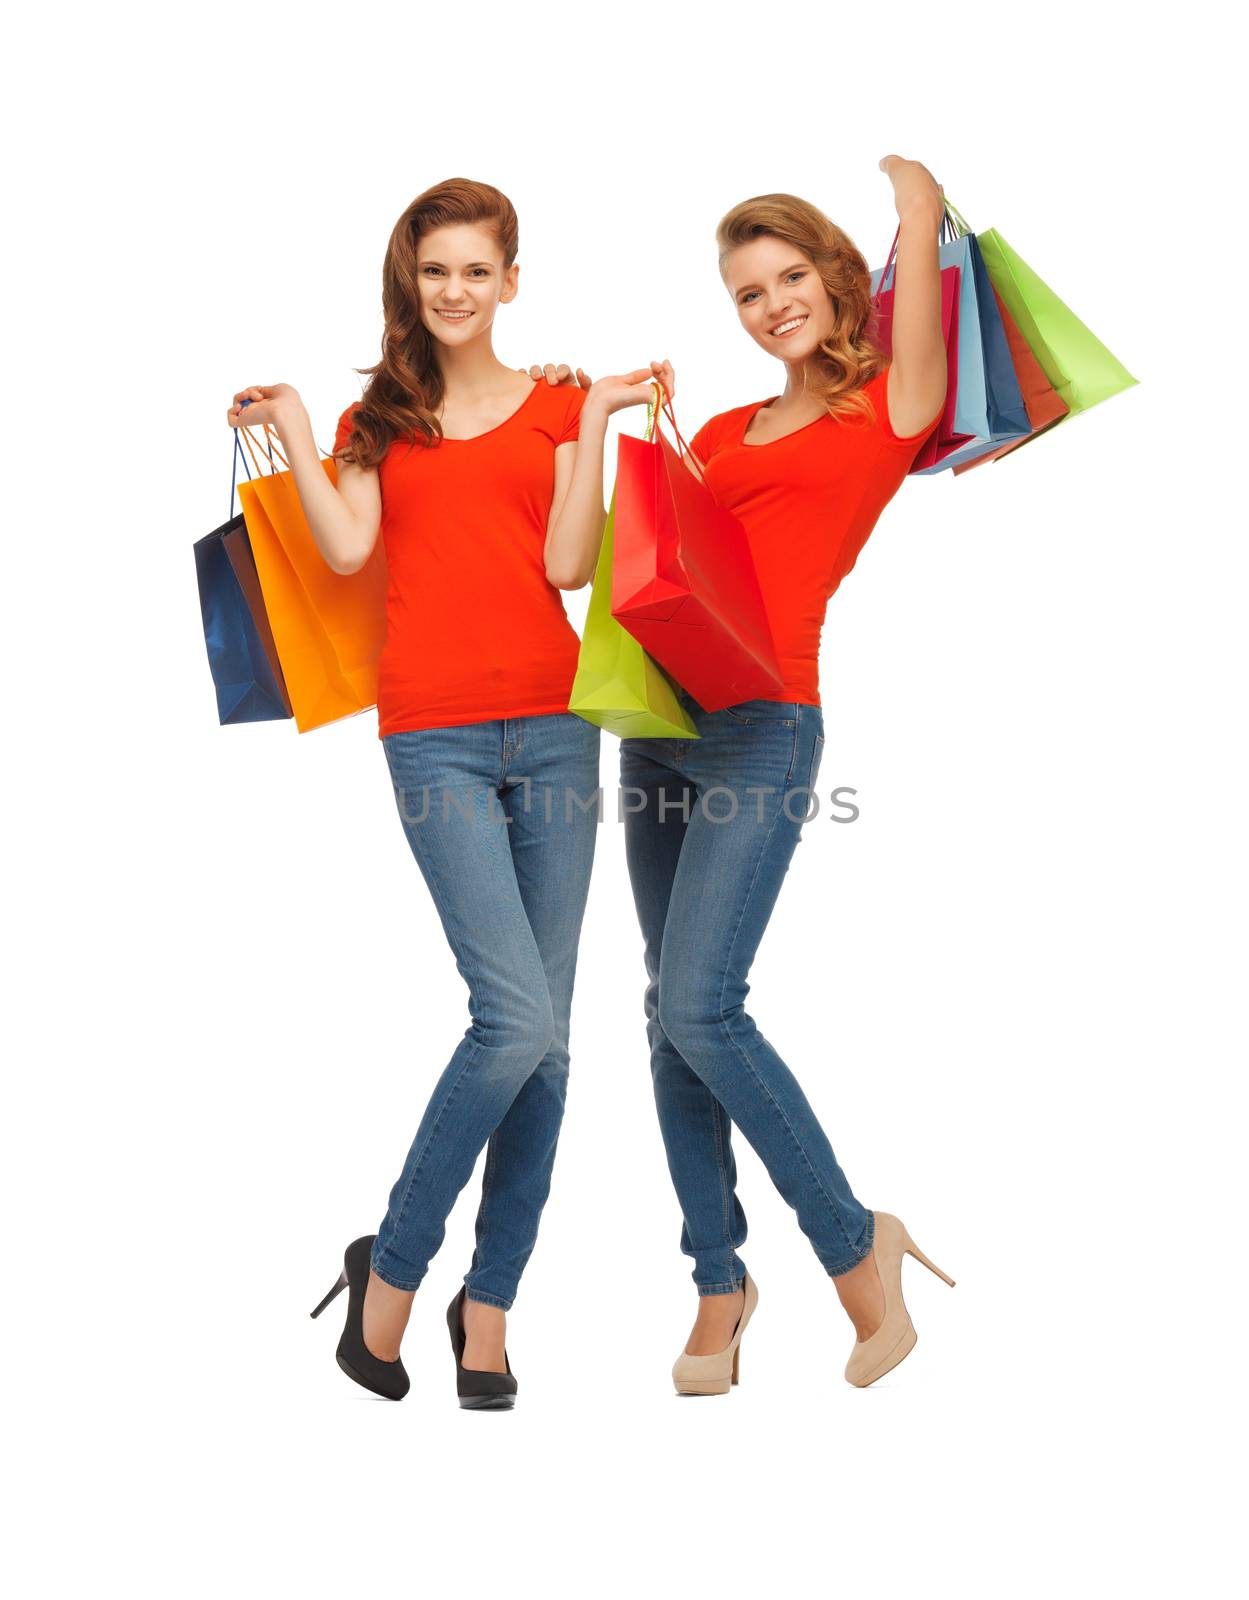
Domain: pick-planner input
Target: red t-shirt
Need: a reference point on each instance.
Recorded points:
(808, 502)
(474, 629)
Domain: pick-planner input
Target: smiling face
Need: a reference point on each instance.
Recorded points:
(780, 298)
(462, 281)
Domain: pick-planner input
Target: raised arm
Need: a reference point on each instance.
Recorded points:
(917, 377)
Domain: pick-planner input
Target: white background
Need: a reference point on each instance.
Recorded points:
(1008, 987)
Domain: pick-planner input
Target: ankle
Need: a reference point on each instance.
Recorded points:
(718, 1315)
(385, 1318)
(862, 1296)
(485, 1335)
(482, 1317)
(717, 1304)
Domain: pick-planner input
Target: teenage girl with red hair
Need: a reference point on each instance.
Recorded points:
(486, 488)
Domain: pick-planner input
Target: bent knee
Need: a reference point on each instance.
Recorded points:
(689, 1021)
(522, 1037)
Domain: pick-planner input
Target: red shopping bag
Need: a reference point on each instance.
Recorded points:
(946, 438)
(683, 579)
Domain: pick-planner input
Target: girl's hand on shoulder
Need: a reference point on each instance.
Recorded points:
(556, 375)
(632, 388)
(268, 402)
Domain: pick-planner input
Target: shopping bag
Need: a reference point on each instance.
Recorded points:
(683, 579)
(1076, 362)
(1044, 405)
(989, 406)
(242, 658)
(238, 551)
(617, 686)
(329, 627)
(946, 436)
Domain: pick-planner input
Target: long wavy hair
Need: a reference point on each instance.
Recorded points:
(849, 357)
(406, 387)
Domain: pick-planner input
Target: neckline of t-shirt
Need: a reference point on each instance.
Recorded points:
(792, 434)
(473, 437)
(781, 438)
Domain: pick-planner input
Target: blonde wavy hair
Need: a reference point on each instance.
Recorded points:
(848, 358)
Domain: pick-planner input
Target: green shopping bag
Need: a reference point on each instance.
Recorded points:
(1073, 358)
(618, 686)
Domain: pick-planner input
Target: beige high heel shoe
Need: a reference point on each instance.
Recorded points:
(714, 1374)
(871, 1358)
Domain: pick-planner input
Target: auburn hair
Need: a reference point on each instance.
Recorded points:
(849, 357)
(406, 387)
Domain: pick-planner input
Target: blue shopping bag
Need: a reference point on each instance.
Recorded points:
(242, 657)
(989, 407)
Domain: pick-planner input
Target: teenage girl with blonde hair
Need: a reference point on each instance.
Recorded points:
(808, 473)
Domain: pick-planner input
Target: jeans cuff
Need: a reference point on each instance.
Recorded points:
(722, 1288)
(865, 1250)
(488, 1299)
(387, 1276)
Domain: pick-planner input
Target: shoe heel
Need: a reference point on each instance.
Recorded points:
(913, 1249)
(337, 1289)
(737, 1355)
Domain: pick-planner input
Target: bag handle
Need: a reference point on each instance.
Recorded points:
(653, 408)
(235, 457)
(238, 456)
(960, 221)
(273, 449)
(947, 226)
(652, 416)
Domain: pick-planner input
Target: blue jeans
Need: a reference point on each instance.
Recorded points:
(501, 817)
(710, 827)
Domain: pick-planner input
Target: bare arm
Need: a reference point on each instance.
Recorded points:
(917, 377)
(575, 526)
(344, 520)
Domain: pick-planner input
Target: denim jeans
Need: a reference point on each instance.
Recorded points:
(501, 817)
(710, 828)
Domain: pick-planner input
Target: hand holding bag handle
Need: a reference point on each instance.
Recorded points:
(329, 626)
(242, 658)
(684, 582)
(946, 234)
(653, 408)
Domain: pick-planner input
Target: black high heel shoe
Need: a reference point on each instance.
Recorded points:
(478, 1391)
(386, 1378)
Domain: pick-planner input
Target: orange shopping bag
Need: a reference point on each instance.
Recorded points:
(328, 627)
